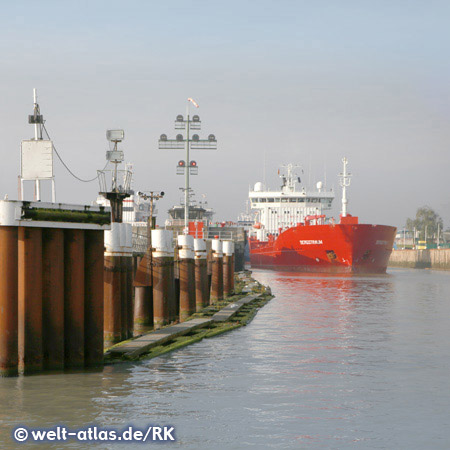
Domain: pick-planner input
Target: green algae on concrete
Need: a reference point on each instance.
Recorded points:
(242, 317)
(67, 215)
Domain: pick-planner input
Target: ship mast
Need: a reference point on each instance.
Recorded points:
(290, 178)
(345, 183)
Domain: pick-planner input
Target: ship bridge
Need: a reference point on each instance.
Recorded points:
(279, 210)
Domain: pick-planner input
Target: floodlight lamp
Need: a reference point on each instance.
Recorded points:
(115, 135)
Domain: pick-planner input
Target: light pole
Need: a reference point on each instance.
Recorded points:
(152, 196)
(188, 143)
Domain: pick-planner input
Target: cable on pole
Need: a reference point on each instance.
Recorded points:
(66, 166)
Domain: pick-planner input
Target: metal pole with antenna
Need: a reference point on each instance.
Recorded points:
(37, 136)
(37, 128)
(36, 156)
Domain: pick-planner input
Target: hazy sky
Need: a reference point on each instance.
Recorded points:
(306, 82)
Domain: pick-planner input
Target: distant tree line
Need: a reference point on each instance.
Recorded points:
(427, 223)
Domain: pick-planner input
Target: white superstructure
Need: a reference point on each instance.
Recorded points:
(279, 210)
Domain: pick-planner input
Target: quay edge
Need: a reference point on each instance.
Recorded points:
(421, 259)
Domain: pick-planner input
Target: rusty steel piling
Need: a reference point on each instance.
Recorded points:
(233, 267)
(93, 299)
(51, 286)
(124, 298)
(53, 298)
(201, 275)
(8, 302)
(143, 295)
(175, 274)
(228, 270)
(174, 292)
(74, 298)
(187, 276)
(143, 308)
(112, 301)
(30, 299)
(163, 280)
(118, 307)
(130, 303)
(217, 271)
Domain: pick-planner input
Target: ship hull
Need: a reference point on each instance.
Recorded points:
(333, 248)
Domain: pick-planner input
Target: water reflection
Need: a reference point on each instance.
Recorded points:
(331, 362)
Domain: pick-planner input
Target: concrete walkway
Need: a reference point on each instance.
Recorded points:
(230, 310)
(143, 344)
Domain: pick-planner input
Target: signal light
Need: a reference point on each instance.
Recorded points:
(193, 163)
(181, 163)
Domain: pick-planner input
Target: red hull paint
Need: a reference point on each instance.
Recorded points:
(339, 248)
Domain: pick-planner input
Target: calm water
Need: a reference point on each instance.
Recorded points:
(331, 362)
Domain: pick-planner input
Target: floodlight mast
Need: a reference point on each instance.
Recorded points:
(195, 144)
(186, 171)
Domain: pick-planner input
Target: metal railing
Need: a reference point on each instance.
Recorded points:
(224, 235)
(210, 234)
(140, 243)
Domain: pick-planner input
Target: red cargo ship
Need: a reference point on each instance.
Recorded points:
(293, 233)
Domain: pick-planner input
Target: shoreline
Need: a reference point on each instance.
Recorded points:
(242, 307)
